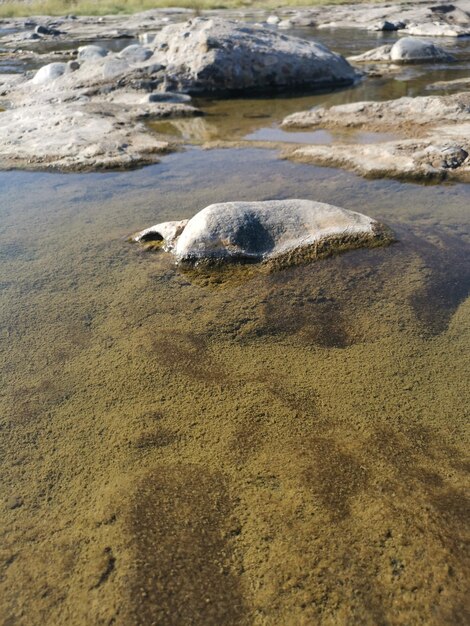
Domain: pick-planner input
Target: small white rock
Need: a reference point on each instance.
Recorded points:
(48, 73)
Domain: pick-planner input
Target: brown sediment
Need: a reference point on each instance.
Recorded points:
(181, 528)
(242, 447)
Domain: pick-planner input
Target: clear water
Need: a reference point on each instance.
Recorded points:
(259, 118)
(231, 447)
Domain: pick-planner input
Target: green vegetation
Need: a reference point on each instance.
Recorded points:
(18, 8)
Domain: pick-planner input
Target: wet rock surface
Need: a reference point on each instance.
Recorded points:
(290, 231)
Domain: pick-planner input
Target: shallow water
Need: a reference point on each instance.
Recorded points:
(231, 447)
(259, 118)
(270, 447)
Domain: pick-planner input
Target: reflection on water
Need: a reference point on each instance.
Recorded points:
(214, 128)
(242, 118)
(237, 436)
(318, 136)
(259, 118)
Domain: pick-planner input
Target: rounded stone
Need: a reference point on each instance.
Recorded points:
(135, 54)
(290, 230)
(48, 73)
(86, 53)
(412, 50)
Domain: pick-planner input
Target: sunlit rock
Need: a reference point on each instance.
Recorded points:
(405, 50)
(135, 54)
(216, 55)
(48, 73)
(287, 230)
(86, 53)
(432, 137)
(412, 50)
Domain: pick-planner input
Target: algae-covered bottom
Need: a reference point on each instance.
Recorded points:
(233, 447)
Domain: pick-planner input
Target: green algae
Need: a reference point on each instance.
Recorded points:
(255, 447)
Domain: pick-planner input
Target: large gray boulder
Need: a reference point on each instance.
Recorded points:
(291, 230)
(216, 55)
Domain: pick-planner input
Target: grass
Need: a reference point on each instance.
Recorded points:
(20, 8)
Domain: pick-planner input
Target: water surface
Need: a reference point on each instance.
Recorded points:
(269, 447)
(233, 447)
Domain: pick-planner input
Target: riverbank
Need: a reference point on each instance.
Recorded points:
(19, 8)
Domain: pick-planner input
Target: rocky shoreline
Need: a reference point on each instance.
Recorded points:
(433, 142)
(86, 105)
(87, 113)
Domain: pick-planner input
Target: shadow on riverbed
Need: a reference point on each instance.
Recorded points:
(304, 301)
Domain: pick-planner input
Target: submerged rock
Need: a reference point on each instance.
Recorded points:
(459, 84)
(290, 231)
(215, 55)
